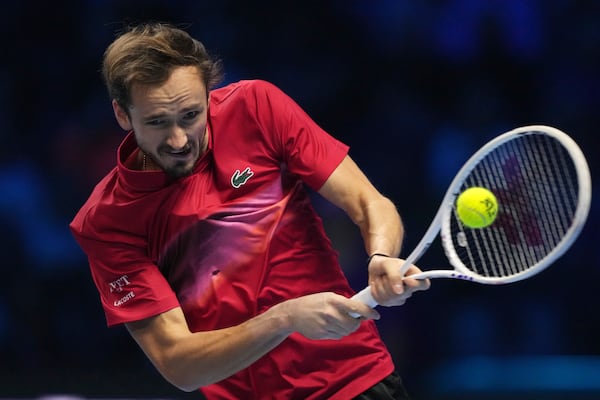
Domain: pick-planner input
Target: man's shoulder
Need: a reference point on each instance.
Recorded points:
(116, 206)
(97, 199)
(241, 89)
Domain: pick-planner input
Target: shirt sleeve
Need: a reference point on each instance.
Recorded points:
(130, 285)
(308, 150)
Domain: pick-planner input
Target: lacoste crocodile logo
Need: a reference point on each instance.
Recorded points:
(239, 178)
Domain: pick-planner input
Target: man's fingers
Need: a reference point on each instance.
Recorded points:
(415, 284)
(393, 282)
(360, 310)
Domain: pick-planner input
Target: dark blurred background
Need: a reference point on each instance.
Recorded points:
(413, 87)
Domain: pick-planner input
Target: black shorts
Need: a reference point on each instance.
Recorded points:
(391, 388)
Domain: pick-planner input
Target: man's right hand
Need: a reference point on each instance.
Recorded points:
(326, 315)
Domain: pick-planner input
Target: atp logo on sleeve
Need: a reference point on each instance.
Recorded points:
(118, 286)
(240, 178)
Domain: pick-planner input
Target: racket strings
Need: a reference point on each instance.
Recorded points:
(553, 203)
(535, 182)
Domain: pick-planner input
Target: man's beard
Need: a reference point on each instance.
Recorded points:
(179, 168)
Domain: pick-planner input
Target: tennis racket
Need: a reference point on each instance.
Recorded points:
(542, 182)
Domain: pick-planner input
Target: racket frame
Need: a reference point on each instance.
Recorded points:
(441, 222)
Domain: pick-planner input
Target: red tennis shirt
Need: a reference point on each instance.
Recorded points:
(234, 238)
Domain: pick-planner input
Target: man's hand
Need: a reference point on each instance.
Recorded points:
(388, 286)
(326, 315)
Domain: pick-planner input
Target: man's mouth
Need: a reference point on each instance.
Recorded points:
(179, 153)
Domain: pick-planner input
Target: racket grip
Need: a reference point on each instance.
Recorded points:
(366, 297)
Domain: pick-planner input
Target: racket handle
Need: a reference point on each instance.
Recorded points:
(365, 297)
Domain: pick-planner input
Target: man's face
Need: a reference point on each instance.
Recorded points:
(169, 120)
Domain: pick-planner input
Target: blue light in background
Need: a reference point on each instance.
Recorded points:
(516, 374)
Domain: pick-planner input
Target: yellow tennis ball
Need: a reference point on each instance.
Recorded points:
(477, 207)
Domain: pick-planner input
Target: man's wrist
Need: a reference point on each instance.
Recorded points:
(375, 255)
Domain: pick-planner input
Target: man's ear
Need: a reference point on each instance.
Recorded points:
(121, 116)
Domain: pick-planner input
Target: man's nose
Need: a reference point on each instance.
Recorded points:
(177, 138)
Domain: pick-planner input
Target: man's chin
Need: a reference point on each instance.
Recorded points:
(179, 170)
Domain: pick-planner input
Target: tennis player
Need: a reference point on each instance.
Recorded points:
(203, 241)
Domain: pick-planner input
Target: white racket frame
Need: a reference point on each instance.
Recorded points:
(441, 221)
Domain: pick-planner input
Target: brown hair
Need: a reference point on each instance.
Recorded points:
(148, 53)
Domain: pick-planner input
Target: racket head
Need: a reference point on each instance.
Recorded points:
(542, 182)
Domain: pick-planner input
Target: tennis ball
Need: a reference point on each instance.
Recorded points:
(477, 207)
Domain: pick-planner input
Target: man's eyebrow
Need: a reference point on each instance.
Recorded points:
(162, 114)
(193, 107)
(158, 115)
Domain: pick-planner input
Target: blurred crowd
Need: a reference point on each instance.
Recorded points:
(413, 87)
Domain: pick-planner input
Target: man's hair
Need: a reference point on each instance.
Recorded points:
(148, 53)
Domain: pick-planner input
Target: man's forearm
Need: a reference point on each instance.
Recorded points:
(382, 229)
(192, 360)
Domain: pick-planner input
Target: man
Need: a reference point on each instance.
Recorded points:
(203, 241)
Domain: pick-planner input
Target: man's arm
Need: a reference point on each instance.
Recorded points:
(381, 228)
(376, 216)
(192, 360)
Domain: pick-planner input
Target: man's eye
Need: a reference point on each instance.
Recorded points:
(155, 122)
(191, 115)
